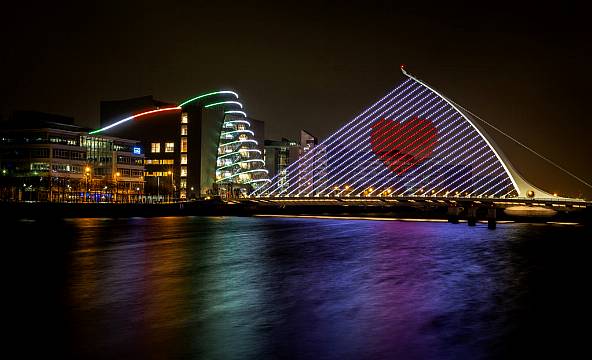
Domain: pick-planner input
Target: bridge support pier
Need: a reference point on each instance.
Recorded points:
(453, 214)
(491, 215)
(472, 215)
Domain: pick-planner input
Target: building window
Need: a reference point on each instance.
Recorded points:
(183, 159)
(183, 183)
(184, 118)
(155, 147)
(184, 130)
(184, 144)
(183, 171)
(169, 147)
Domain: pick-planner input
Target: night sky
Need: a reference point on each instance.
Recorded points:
(316, 65)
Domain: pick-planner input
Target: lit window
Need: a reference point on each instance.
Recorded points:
(183, 159)
(184, 118)
(183, 183)
(183, 171)
(184, 130)
(183, 144)
(155, 147)
(169, 147)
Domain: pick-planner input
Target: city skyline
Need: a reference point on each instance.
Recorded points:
(304, 69)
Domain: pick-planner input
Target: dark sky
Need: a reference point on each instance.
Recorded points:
(316, 65)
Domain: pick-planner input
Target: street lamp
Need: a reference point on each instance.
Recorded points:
(86, 176)
(170, 173)
(117, 175)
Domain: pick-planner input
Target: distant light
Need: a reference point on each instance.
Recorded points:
(118, 174)
(137, 150)
(137, 189)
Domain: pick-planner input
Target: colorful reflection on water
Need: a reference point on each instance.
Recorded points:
(236, 288)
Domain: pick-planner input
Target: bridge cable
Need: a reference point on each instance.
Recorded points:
(525, 146)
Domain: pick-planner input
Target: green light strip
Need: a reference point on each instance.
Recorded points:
(237, 121)
(209, 94)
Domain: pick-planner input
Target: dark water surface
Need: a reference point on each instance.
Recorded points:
(258, 288)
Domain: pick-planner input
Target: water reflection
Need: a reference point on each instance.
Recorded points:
(234, 288)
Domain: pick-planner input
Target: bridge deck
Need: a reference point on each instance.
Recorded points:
(423, 201)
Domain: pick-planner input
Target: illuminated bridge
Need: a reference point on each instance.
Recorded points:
(414, 147)
(412, 142)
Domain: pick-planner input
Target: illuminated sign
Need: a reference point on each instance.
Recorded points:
(137, 150)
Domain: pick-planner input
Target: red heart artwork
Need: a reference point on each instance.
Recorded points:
(403, 145)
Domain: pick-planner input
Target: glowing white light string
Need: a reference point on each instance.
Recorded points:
(366, 181)
(364, 131)
(332, 138)
(354, 130)
(362, 144)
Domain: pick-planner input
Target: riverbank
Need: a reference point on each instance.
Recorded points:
(216, 207)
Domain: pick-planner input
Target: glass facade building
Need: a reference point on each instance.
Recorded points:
(43, 160)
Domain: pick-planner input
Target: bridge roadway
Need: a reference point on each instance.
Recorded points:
(453, 208)
(556, 203)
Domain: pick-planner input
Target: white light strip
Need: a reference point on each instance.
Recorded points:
(387, 169)
(459, 155)
(240, 162)
(449, 185)
(474, 127)
(363, 144)
(258, 180)
(338, 134)
(243, 172)
(237, 131)
(482, 186)
(436, 152)
(238, 121)
(240, 141)
(389, 174)
(368, 155)
(434, 187)
(474, 175)
(223, 103)
(236, 112)
(451, 164)
(310, 157)
(363, 128)
(238, 152)
(504, 183)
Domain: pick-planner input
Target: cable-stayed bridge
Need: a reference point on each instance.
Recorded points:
(414, 145)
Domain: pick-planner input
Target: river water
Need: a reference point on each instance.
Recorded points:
(267, 288)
